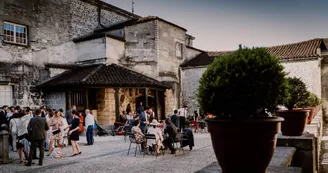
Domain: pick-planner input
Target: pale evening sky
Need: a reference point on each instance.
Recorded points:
(224, 24)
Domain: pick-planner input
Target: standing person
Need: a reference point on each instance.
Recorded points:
(13, 125)
(22, 133)
(182, 118)
(174, 118)
(89, 123)
(69, 119)
(196, 115)
(143, 120)
(49, 117)
(36, 131)
(74, 134)
(3, 115)
(64, 129)
(69, 116)
(56, 124)
(128, 108)
(141, 108)
(43, 111)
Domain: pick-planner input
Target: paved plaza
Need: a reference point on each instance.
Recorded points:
(109, 154)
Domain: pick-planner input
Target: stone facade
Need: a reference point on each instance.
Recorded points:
(51, 25)
(106, 106)
(309, 71)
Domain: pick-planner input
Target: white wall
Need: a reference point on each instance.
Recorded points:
(91, 49)
(308, 71)
(114, 50)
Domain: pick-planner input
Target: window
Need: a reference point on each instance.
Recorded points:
(78, 98)
(14, 33)
(6, 95)
(178, 50)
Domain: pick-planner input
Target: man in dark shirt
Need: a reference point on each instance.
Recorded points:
(141, 108)
(3, 115)
(37, 128)
(175, 119)
(69, 116)
(171, 130)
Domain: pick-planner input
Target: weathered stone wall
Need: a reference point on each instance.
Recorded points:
(51, 27)
(170, 100)
(308, 71)
(168, 62)
(128, 96)
(56, 100)
(190, 83)
(106, 114)
(191, 53)
(140, 48)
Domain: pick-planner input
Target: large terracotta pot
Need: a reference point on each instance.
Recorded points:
(244, 145)
(313, 112)
(295, 121)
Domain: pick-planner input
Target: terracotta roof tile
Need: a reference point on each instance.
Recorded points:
(104, 76)
(290, 52)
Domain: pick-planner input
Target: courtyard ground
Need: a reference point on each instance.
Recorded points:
(109, 154)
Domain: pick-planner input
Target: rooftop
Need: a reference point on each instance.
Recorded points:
(305, 50)
(120, 25)
(102, 75)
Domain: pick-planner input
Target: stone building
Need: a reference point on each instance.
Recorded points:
(306, 60)
(45, 43)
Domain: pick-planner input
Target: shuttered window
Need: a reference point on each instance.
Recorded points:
(6, 95)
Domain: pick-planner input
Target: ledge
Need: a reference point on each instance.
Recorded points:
(281, 159)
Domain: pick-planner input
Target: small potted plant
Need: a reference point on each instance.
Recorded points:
(295, 119)
(238, 89)
(312, 103)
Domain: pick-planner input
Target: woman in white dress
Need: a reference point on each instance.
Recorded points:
(155, 130)
(13, 129)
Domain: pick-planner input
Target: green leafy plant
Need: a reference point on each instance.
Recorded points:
(242, 84)
(311, 101)
(297, 93)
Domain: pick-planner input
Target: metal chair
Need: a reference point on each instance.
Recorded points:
(182, 136)
(138, 145)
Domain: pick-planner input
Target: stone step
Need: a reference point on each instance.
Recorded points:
(280, 161)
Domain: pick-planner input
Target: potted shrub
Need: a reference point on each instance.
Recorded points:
(312, 103)
(237, 89)
(295, 119)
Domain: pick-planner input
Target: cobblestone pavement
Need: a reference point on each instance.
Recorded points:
(109, 154)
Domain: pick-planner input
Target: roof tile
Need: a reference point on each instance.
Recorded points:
(103, 75)
(295, 51)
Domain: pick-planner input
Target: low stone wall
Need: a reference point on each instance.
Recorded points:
(308, 146)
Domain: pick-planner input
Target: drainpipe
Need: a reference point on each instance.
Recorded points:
(99, 17)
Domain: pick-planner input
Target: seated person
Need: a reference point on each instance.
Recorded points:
(155, 130)
(171, 130)
(139, 136)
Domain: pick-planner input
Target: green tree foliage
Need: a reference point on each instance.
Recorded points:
(242, 84)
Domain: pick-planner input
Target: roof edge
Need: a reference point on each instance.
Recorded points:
(112, 7)
(191, 47)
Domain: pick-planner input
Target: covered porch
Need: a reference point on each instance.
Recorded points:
(106, 90)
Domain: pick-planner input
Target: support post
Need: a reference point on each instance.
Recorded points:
(86, 98)
(117, 104)
(146, 97)
(156, 106)
(69, 99)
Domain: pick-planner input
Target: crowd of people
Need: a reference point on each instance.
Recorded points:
(47, 129)
(144, 122)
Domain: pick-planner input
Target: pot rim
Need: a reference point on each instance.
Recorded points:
(294, 110)
(254, 120)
